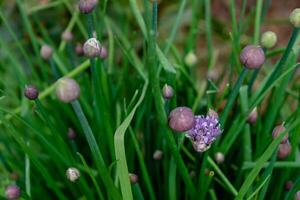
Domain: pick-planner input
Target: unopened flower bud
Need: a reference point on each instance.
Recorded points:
(157, 155)
(190, 59)
(212, 113)
(252, 118)
(219, 157)
(79, 49)
(46, 52)
(133, 178)
(67, 36)
(289, 185)
(278, 130)
(252, 57)
(181, 119)
(31, 92)
(284, 150)
(73, 174)
(268, 39)
(71, 134)
(103, 53)
(92, 48)
(167, 92)
(295, 18)
(12, 192)
(297, 195)
(192, 174)
(67, 90)
(87, 6)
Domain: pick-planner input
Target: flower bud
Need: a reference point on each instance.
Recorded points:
(295, 18)
(133, 178)
(284, 150)
(67, 90)
(252, 118)
(279, 129)
(12, 192)
(192, 174)
(219, 157)
(79, 49)
(181, 119)
(87, 6)
(31, 92)
(212, 113)
(297, 195)
(268, 39)
(167, 91)
(289, 185)
(252, 57)
(157, 155)
(73, 174)
(46, 52)
(71, 134)
(67, 36)
(103, 53)
(190, 59)
(92, 48)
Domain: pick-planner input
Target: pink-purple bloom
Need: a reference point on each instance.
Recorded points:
(205, 132)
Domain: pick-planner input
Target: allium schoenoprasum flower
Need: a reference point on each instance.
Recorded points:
(205, 132)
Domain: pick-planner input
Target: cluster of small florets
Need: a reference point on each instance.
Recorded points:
(205, 132)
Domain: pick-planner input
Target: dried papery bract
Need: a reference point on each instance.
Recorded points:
(67, 90)
(295, 18)
(181, 119)
(31, 92)
(46, 52)
(252, 57)
(92, 48)
(268, 39)
(167, 92)
(87, 6)
(73, 174)
(12, 192)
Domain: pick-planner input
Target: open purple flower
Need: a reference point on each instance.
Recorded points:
(205, 132)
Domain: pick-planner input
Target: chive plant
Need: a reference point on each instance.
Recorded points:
(110, 100)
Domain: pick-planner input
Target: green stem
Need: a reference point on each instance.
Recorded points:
(54, 69)
(102, 169)
(233, 96)
(259, 4)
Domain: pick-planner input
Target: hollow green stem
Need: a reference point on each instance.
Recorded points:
(54, 69)
(233, 96)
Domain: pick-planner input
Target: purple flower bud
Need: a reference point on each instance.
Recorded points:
(284, 150)
(133, 178)
(289, 185)
(71, 134)
(67, 36)
(157, 155)
(252, 118)
(103, 53)
(92, 48)
(12, 192)
(87, 6)
(297, 195)
(252, 57)
(31, 92)
(167, 92)
(205, 131)
(67, 90)
(79, 49)
(73, 174)
(181, 119)
(46, 52)
(219, 157)
(279, 129)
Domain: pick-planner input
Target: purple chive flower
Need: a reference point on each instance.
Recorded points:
(12, 192)
(205, 132)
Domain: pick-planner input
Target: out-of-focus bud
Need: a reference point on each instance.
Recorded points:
(252, 118)
(297, 195)
(252, 57)
(268, 39)
(79, 49)
(284, 150)
(279, 129)
(92, 48)
(67, 90)
(219, 157)
(289, 185)
(31, 92)
(87, 6)
(71, 134)
(295, 18)
(157, 155)
(67, 36)
(46, 52)
(73, 174)
(167, 92)
(12, 192)
(181, 119)
(133, 178)
(103, 53)
(190, 59)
